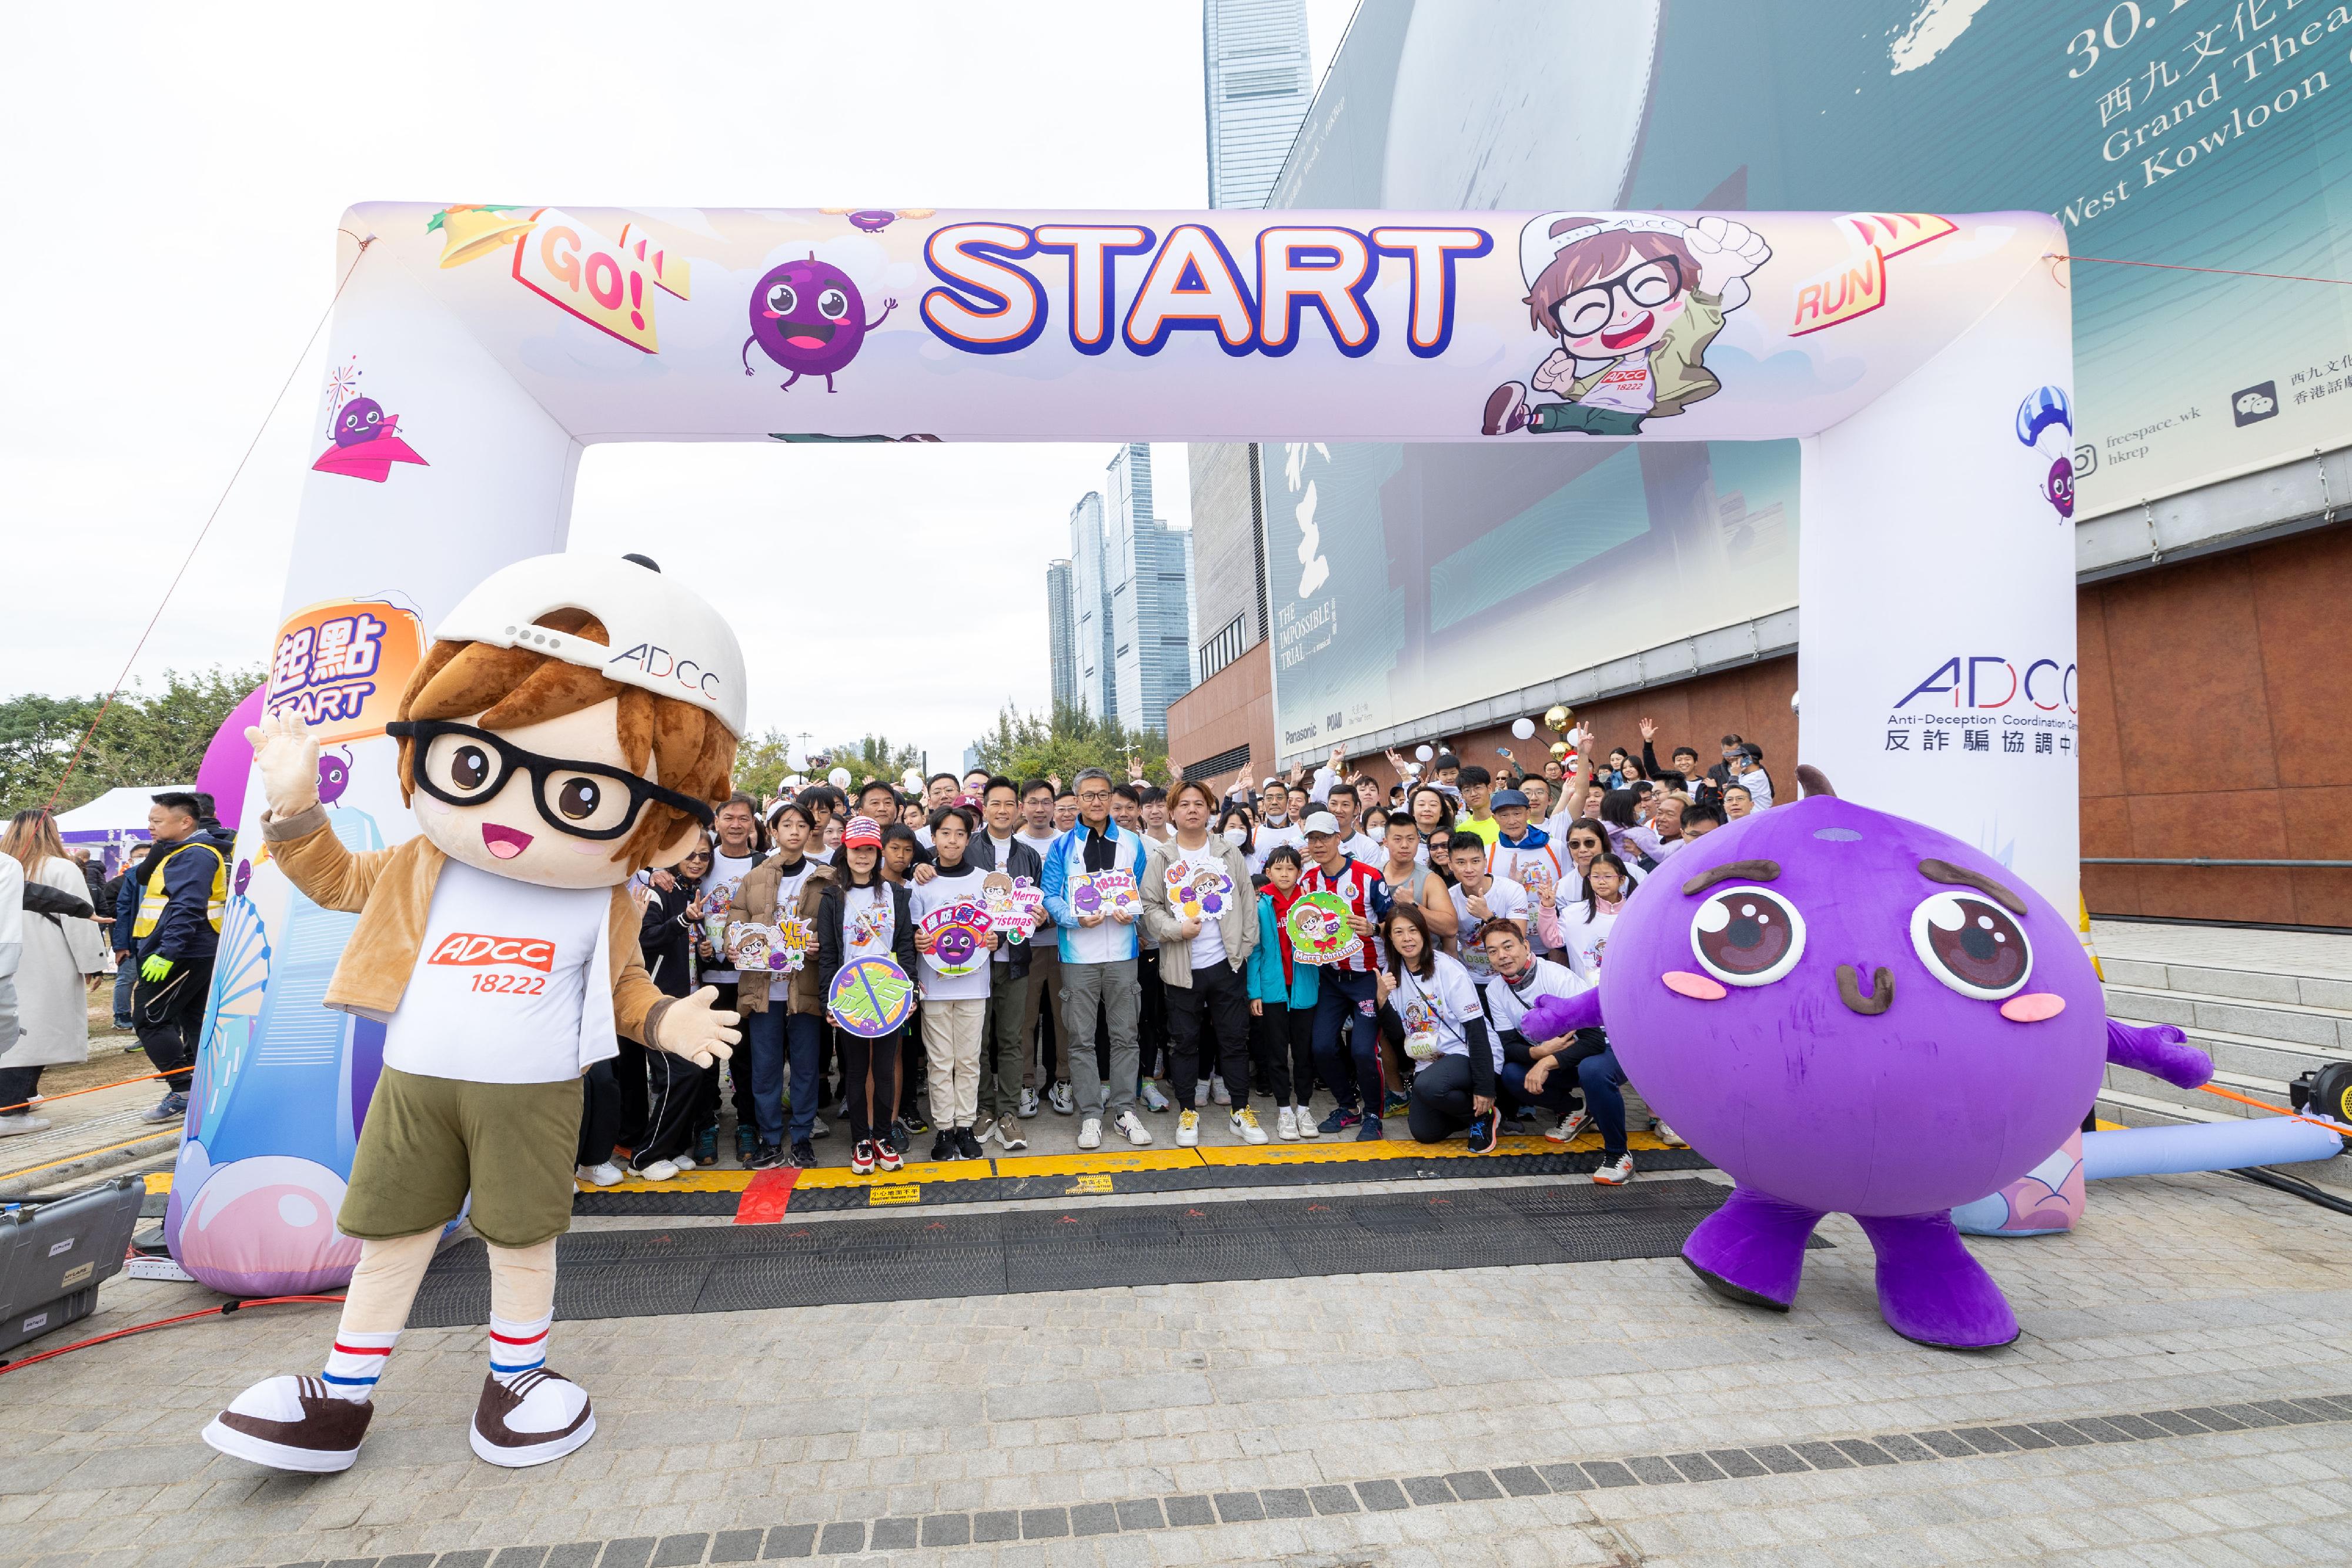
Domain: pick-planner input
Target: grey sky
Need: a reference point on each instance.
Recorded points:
(175, 177)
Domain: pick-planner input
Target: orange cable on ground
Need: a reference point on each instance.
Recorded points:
(210, 517)
(2336, 1127)
(226, 1307)
(93, 1089)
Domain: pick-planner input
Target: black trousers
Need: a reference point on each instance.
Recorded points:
(18, 1084)
(599, 1113)
(629, 1125)
(1284, 1053)
(1209, 1017)
(870, 1119)
(1441, 1099)
(1154, 1042)
(169, 1017)
(738, 1068)
(677, 1086)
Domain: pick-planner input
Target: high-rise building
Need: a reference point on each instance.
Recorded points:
(1256, 73)
(1149, 565)
(1090, 618)
(1061, 634)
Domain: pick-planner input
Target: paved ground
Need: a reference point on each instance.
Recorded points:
(1007, 1424)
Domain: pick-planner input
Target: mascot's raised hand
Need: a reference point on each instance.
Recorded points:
(692, 1027)
(288, 754)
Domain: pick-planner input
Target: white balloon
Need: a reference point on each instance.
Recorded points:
(838, 778)
(1792, 701)
(1524, 728)
(1424, 752)
(912, 779)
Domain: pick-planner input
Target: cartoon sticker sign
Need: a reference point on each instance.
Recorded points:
(959, 933)
(1318, 929)
(343, 666)
(1105, 893)
(1016, 907)
(870, 997)
(603, 282)
(1198, 890)
(365, 443)
(780, 949)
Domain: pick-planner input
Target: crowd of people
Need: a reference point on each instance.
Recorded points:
(1471, 893)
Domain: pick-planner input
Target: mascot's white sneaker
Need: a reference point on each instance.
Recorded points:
(542, 1417)
(292, 1423)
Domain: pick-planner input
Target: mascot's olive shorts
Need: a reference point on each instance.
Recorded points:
(428, 1141)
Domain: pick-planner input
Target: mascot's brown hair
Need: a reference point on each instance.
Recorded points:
(675, 744)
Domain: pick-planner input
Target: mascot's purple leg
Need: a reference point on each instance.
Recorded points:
(1752, 1250)
(1930, 1290)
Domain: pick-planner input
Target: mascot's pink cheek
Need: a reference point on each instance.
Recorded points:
(587, 846)
(2033, 1006)
(438, 807)
(1698, 987)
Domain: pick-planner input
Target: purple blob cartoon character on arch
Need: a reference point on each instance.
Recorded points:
(809, 318)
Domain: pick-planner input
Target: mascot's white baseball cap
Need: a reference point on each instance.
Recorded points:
(1538, 244)
(666, 639)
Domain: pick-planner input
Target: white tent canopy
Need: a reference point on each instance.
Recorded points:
(118, 816)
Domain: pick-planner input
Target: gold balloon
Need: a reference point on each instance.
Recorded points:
(1560, 750)
(1558, 716)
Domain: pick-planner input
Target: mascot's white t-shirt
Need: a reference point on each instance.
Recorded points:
(501, 982)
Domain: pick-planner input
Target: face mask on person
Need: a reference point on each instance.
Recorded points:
(1237, 836)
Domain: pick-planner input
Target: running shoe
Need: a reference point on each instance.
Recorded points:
(746, 1142)
(1616, 1172)
(1060, 1098)
(943, 1147)
(1395, 1103)
(705, 1147)
(1091, 1133)
(169, 1108)
(1487, 1132)
(1155, 1099)
(1188, 1129)
(983, 1127)
(1244, 1125)
(1666, 1135)
(605, 1174)
(1340, 1119)
(885, 1154)
(1218, 1091)
(1571, 1126)
(803, 1155)
(914, 1123)
(765, 1157)
(1368, 1130)
(1130, 1124)
(968, 1147)
(1306, 1120)
(26, 1121)
(1028, 1103)
(1008, 1132)
(862, 1158)
(1286, 1124)
(817, 1129)
(660, 1170)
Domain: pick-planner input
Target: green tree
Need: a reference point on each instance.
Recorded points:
(871, 758)
(145, 739)
(1058, 745)
(761, 765)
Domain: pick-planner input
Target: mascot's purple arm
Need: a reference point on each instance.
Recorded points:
(1752, 1250)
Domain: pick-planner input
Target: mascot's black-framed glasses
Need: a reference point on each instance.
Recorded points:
(463, 766)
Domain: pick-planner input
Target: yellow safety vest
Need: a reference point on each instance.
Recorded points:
(151, 906)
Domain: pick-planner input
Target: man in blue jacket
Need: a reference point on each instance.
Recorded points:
(182, 890)
(1097, 944)
(123, 899)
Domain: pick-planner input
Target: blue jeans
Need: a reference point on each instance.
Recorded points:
(123, 977)
(1597, 1076)
(774, 1039)
(1343, 992)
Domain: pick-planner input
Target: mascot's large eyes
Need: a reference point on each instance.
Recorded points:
(1972, 945)
(585, 800)
(780, 298)
(463, 768)
(833, 304)
(1747, 935)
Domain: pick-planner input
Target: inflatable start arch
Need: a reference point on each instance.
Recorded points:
(1925, 360)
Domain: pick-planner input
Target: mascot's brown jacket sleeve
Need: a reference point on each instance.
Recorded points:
(391, 893)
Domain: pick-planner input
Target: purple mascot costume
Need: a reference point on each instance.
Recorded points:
(1853, 1012)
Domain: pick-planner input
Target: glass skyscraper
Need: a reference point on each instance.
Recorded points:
(1259, 85)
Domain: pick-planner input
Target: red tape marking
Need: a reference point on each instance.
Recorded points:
(768, 1195)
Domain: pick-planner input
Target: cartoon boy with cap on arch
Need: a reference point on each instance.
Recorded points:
(1633, 300)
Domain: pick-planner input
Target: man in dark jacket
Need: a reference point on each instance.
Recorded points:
(182, 890)
(997, 847)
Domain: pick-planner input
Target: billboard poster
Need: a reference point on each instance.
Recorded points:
(2193, 133)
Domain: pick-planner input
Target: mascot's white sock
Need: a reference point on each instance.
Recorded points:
(374, 1309)
(522, 1307)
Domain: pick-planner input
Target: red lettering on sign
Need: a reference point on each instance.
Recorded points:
(469, 948)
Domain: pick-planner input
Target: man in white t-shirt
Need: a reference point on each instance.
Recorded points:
(740, 847)
(1045, 1054)
(1479, 896)
(1198, 902)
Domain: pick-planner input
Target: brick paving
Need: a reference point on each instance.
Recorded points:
(1603, 1413)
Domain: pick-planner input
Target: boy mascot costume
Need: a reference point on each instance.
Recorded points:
(574, 722)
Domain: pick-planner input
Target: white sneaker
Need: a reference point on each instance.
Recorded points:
(1154, 1098)
(1666, 1135)
(660, 1170)
(817, 1129)
(1200, 1093)
(1616, 1172)
(1188, 1129)
(605, 1175)
(1574, 1123)
(1091, 1133)
(1008, 1132)
(1061, 1099)
(682, 1160)
(24, 1121)
(1286, 1124)
(1308, 1127)
(1245, 1126)
(1218, 1091)
(1028, 1103)
(1130, 1124)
